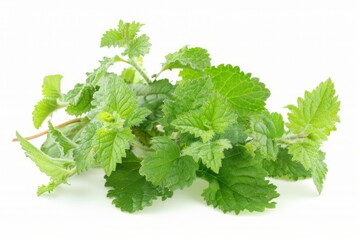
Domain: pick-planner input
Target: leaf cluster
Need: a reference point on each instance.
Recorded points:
(156, 136)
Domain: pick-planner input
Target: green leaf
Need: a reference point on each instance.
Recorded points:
(43, 109)
(152, 96)
(246, 94)
(61, 139)
(217, 113)
(189, 95)
(214, 117)
(308, 154)
(111, 146)
(285, 167)
(193, 123)
(265, 128)
(51, 86)
(111, 38)
(51, 93)
(58, 169)
(193, 58)
(55, 168)
(129, 190)
(137, 116)
(316, 113)
(130, 75)
(165, 167)
(84, 154)
(126, 37)
(79, 99)
(240, 184)
(138, 47)
(50, 187)
(51, 146)
(190, 74)
(100, 74)
(210, 153)
(235, 133)
(115, 95)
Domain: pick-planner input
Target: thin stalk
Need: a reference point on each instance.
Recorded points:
(139, 69)
(290, 139)
(64, 124)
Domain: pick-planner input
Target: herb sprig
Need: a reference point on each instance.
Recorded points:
(153, 137)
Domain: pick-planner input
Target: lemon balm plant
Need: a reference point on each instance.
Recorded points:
(152, 137)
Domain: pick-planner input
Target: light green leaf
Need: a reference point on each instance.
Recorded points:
(50, 102)
(100, 74)
(111, 38)
(138, 116)
(246, 94)
(316, 113)
(217, 113)
(308, 154)
(115, 95)
(61, 139)
(51, 86)
(138, 47)
(210, 153)
(193, 58)
(214, 117)
(84, 154)
(130, 76)
(152, 95)
(265, 128)
(111, 146)
(79, 99)
(165, 167)
(193, 123)
(189, 95)
(43, 109)
(50, 187)
(129, 190)
(126, 37)
(55, 168)
(240, 184)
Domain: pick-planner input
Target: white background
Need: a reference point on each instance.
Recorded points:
(290, 45)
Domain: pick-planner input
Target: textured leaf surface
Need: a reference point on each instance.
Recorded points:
(84, 154)
(214, 117)
(193, 58)
(188, 95)
(152, 96)
(100, 74)
(240, 184)
(285, 167)
(265, 129)
(318, 110)
(137, 116)
(53, 167)
(61, 139)
(308, 154)
(246, 94)
(125, 36)
(79, 99)
(165, 167)
(210, 153)
(115, 95)
(129, 190)
(111, 146)
(51, 93)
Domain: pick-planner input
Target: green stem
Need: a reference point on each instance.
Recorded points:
(291, 138)
(133, 63)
